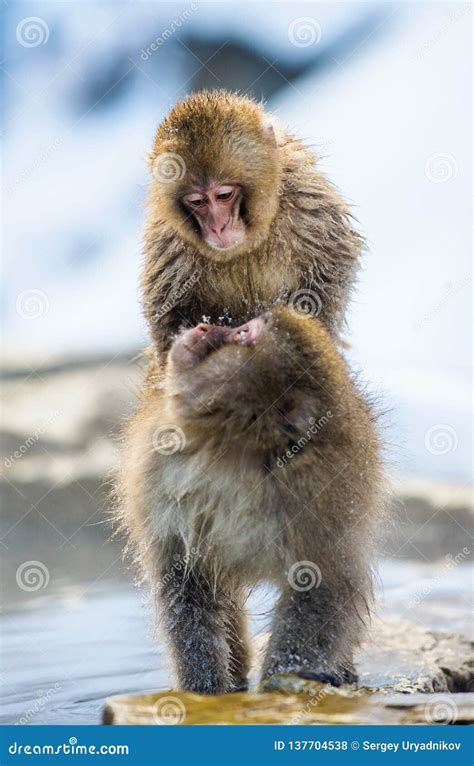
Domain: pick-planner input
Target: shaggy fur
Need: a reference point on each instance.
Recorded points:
(251, 494)
(298, 229)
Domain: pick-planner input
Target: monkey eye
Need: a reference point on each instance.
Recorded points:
(196, 201)
(225, 192)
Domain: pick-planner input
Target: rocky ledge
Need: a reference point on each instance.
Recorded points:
(407, 675)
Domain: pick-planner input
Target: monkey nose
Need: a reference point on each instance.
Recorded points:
(208, 335)
(218, 229)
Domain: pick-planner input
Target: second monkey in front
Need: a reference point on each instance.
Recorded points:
(275, 476)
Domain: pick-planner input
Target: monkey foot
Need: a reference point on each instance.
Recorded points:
(344, 676)
(291, 681)
(240, 686)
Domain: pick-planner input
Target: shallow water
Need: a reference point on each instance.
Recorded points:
(64, 653)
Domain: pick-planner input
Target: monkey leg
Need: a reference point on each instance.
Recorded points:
(236, 629)
(313, 636)
(195, 626)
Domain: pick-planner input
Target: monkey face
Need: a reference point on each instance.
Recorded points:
(195, 345)
(216, 174)
(262, 381)
(221, 378)
(217, 211)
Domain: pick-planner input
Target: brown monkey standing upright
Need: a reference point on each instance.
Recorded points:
(257, 460)
(240, 217)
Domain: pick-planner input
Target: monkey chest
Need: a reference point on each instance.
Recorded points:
(239, 295)
(226, 509)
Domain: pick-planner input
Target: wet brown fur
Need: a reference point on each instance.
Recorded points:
(299, 230)
(227, 507)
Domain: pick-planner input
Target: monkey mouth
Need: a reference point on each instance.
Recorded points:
(221, 248)
(197, 344)
(223, 243)
(223, 238)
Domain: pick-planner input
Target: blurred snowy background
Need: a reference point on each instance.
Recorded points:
(383, 92)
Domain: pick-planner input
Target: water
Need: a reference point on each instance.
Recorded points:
(64, 653)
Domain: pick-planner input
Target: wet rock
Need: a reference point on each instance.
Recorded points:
(318, 704)
(404, 657)
(406, 674)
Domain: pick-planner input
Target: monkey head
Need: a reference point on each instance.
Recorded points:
(264, 380)
(216, 173)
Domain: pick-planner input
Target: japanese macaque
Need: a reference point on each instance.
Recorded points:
(258, 460)
(240, 217)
